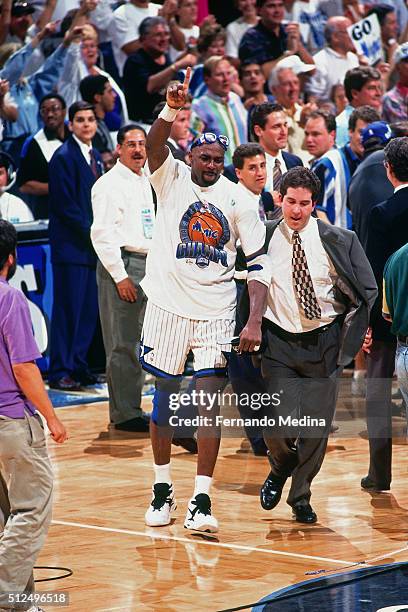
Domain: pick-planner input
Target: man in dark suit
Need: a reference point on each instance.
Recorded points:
(269, 127)
(369, 185)
(73, 170)
(316, 320)
(387, 232)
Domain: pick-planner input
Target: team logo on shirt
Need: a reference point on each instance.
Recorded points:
(203, 232)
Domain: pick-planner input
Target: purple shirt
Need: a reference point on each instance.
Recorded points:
(17, 345)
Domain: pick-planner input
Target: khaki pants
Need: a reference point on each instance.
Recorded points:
(25, 503)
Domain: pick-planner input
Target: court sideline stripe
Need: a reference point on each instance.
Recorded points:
(158, 536)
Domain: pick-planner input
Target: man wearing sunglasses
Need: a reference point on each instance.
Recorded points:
(191, 294)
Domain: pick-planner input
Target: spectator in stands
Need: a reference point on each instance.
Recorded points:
(253, 83)
(285, 85)
(339, 99)
(220, 110)
(84, 63)
(16, 18)
(12, 208)
(401, 9)
(211, 42)
(336, 168)
(37, 152)
(387, 17)
(311, 22)
(8, 108)
(334, 60)
(149, 70)
(180, 135)
(269, 40)
(74, 168)
(125, 27)
(363, 87)
(387, 232)
(395, 101)
(27, 93)
(269, 124)
(186, 16)
(236, 29)
(369, 185)
(98, 91)
(320, 134)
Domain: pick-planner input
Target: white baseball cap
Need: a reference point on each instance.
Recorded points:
(295, 63)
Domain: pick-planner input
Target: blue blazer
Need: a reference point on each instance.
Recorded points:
(70, 183)
(290, 160)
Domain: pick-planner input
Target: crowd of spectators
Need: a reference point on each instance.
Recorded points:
(120, 56)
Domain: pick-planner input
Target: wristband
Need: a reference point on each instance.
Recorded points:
(168, 114)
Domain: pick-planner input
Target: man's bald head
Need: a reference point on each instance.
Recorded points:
(337, 36)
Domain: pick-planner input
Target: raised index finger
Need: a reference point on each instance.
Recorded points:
(187, 79)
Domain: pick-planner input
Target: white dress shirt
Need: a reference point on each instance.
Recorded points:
(85, 149)
(121, 201)
(252, 198)
(270, 164)
(400, 187)
(283, 308)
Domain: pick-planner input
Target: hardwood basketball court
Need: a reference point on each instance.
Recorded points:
(103, 481)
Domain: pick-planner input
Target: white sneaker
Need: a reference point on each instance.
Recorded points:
(199, 517)
(163, 504)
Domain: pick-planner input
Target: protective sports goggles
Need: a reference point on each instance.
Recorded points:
(210, 138)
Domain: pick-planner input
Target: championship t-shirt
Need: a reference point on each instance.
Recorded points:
(190, 265)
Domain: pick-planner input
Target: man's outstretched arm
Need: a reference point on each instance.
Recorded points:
(159, 133)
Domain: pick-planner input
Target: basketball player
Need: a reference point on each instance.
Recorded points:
(192, 296)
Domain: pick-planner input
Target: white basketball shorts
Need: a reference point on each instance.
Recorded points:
(167, 339)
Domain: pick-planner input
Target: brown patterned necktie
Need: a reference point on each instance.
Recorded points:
(277, 175)
(302, 281)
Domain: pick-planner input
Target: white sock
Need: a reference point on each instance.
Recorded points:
(162, 473)
(358, 374)
(202, 485)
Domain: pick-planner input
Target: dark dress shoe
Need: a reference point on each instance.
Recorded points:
(189, 444)
(66, 383)
(87, 379)
(304, 513)
(271, 491)
(259, 447)
(140, 424)
(370, 485)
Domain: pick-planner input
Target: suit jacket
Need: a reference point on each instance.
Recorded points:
(368, 187)
(355, 286)
(70, 183)
(290, 160)
(387, 232)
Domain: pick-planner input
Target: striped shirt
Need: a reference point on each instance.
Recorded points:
(212, 114)
(334, 172)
